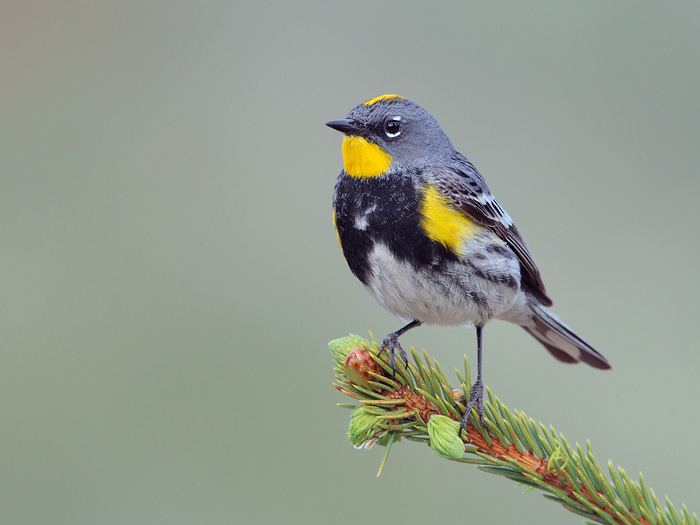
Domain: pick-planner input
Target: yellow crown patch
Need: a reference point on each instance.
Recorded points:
(374, 100)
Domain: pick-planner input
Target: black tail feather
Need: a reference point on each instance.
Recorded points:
(560, 340)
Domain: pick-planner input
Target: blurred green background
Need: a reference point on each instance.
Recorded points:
(170, 277)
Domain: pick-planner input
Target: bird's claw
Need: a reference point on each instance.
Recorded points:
(391, 343)
(476, 400)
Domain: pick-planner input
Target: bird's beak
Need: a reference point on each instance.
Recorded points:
(346, 125)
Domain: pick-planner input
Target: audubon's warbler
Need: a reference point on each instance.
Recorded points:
(420, 228)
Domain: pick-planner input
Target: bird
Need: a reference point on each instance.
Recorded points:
(419, 227)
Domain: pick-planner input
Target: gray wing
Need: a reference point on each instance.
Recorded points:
(463, 184)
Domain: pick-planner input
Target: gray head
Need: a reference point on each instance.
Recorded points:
(388, 133)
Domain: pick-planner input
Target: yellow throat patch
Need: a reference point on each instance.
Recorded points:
(442, 223)
(363, 159)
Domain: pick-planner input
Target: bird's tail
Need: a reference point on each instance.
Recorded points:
(559, 339)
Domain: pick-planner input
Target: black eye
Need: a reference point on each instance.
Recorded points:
(392, 127)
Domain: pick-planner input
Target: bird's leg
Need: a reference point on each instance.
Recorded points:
(476, 394)
(391, 343)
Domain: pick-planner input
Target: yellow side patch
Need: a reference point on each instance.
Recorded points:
(380, 98)
(335, 227)
(442, 223)
(363, 159)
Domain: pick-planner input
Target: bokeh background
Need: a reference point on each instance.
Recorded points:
(169, 275)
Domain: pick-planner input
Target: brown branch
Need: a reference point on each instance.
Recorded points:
(411, 401)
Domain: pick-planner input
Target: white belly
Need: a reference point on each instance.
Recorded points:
(456, 293)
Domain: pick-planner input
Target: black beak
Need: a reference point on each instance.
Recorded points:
(346, 125)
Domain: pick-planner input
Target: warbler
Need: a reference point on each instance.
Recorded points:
(420, 229)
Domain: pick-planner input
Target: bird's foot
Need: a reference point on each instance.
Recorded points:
(476, 400)
(391, 343)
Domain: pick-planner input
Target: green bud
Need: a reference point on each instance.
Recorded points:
(444, 437)
(340, 348)
(362, 426)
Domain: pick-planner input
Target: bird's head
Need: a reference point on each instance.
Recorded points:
(390, 133)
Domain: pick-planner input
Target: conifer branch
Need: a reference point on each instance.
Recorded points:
(419, 404)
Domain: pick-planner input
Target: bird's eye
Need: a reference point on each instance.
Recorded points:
(392, 127)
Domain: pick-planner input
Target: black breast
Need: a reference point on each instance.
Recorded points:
(383, 209)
